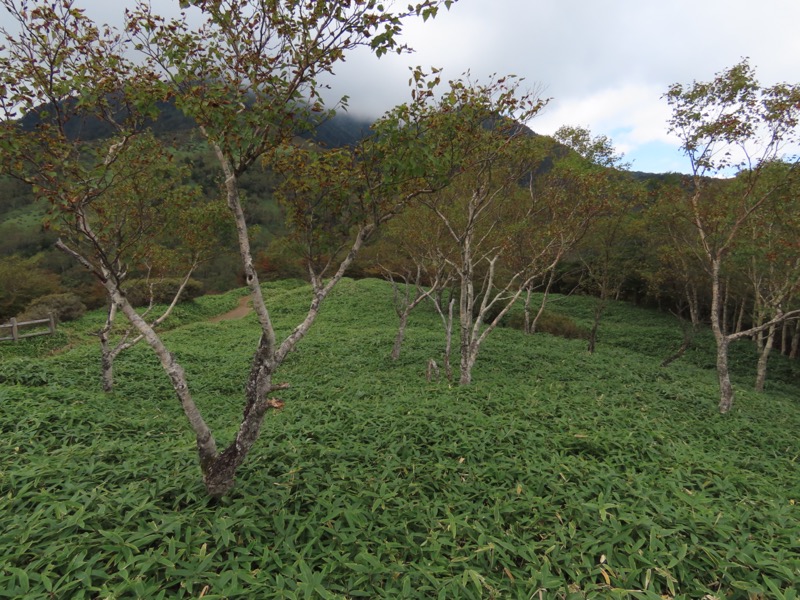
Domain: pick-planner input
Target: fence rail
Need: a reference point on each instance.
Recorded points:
(15, 326)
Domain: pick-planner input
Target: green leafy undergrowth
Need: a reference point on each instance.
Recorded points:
(650, 333)
(558, 474)
(82, 332)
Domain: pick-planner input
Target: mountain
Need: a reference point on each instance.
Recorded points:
(339, 130)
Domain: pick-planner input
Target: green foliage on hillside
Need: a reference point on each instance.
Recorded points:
(557, 474)
(22, 233)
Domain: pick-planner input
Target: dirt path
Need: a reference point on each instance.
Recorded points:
(237, 313)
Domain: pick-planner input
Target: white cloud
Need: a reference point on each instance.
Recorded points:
(632, 115)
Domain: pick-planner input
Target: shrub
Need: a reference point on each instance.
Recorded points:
(550, 322)
(22, 281)
(281, 260)
(163, 290)
(64, 307)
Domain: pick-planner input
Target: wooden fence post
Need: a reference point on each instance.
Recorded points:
(14, 330)
(52, 323)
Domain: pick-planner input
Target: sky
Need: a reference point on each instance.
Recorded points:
(605, 64)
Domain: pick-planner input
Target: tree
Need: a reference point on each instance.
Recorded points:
(670, 266)
(769, 255)
(607, 254)
(503, 223)
(112, 202)
(407, 252)
(247, 75)
(598, 150)
(731, 122)
(136, 221)
(478, 133)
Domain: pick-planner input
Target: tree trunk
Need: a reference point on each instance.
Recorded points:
(447, 323)
(785, 329)
(795, 340)
(469, 355)
(759, 337)
(106, 366)
(527, 310)
(761, 370)
(220, 475)
(107, 354)
(448, 344)
(545, 296)
(404, 305)
(694, 306)
(689, 331)
(466, 307)
(206, 445)
(724, 318)
(599, 309)
(726, 395)
(401, 332)
(740, 318)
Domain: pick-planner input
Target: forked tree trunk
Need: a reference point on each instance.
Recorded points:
(763, 358)
(404, 305)
(447, 324)
(109, 354)
(401, 332)
(530, 324)
(535, 321)
(726, 395)
(473, 338)
(220, 475)
(206, 445)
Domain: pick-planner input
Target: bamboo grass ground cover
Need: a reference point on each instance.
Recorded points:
(557, 474)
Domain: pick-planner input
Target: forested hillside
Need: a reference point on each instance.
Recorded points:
(27, 244)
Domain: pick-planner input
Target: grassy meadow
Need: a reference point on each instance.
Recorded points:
(557, 474)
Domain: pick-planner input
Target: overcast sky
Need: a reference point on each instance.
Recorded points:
(604, 63)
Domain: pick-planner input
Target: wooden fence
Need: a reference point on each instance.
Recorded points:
(15, 326)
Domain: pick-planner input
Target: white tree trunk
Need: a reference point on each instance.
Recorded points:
(448, 343)
(763, 358)
(726, 395)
